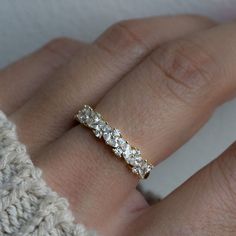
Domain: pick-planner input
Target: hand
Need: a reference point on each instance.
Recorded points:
(158, 80)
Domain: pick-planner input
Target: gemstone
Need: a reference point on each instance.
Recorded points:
(106, 129)
(110, 137)
(112, 142)
(127, 152)
(107, 132)
(84, 114)
(97, 133)
(143, 170)
(114, 137)
(116, 133)
(117, 151)
(135, 160)
(122, 143)
(92, 120)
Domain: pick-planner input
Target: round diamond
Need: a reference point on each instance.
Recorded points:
(97, 133)
(106, 128)
(122, 143)
(93, 120)
(135, 160)
(127, 153)
(116, 133)
(117, 151)
(143, 170)
(111, 136)
(84, 114)
(106, 132)
(113, 142)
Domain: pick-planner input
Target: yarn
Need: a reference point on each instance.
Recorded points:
(27, 205)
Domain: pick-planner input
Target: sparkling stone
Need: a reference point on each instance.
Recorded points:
(107, 132)
(135, 160)
(117, 151)
(112, 142)
(98, 127)
(124, 148)
(97, 133)
(110, 137)
(84, 114)
(116, 133)
(106, 129)
(136, 170)
(143, 170)
(124, 144)
(136, 152)
(127, 153)
(93, 120)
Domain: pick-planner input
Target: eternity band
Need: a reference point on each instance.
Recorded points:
(112, 137)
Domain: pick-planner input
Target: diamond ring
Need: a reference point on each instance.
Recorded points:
(112, 137)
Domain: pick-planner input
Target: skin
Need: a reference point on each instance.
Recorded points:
(158, 80)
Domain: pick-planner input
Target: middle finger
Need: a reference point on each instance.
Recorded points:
(158, 106)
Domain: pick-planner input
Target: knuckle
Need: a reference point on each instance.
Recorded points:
(59, 42)
(188, 69)
(61, 49)
(201, 20)
(122, 36)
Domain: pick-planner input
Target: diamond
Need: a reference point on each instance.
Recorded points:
(112, 142)
(124, 149)
(116, 133)
(106, 132)
(84, 114)
(143, 170)
(127, 152)
(92, 120)
(97, 133)
(136, 159)
(111, 137)
(106, 128)
(117, 151)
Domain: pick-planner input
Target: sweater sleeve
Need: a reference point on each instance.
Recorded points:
(27, 205)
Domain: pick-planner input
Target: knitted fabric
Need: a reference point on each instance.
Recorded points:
(27, 205)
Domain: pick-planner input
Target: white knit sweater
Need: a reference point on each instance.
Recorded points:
(27, 205)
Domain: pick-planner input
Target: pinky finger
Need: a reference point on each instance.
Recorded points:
(205, 205)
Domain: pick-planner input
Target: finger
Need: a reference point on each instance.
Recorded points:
(204, 205)
(183, 83)
(91, 173)
(93, 72)
(28, 74)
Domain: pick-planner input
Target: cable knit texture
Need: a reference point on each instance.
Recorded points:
(27, 205)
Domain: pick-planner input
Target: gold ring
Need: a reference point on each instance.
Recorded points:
(112, 137)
